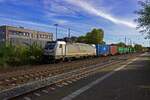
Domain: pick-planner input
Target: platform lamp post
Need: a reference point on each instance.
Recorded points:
(149, 42)
(56, 25)
(69, 34)
(130, 42)
(125, 40)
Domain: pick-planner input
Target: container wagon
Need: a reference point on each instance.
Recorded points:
(121, 50)
(131, 50)
(126, 50)
(113, 50)
(102, 50)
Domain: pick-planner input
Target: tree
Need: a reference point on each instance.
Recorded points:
(95, 36)
(138, 47)
(69, 39)
(121, 44)
(103, 42)
(74, 39)
(82, 39)
(144, 17)
(35, 52)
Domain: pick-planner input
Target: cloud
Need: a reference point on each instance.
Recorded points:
(58, 8)
(92, 10)
(60, 21)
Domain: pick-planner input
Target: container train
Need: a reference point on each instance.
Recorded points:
(65, 50)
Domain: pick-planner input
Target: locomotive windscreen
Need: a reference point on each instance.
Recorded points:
(50, 45)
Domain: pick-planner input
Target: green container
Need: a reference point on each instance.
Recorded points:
(130, 50)
(120, 50)
(133, 50)
(127, 50)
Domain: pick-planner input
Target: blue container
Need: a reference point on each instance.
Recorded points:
(102, 50)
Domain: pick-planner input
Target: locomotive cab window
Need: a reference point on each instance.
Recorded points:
(50, 46)
(60, 46)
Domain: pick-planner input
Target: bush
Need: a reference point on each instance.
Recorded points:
(6, 51)
(35, 52)
(20, 55)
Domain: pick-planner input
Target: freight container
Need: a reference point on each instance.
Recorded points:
(120, 50)
(126, 50)
(102, 50)
(131, 50)
(113, 50)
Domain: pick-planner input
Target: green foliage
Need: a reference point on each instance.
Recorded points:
(82, 39)
(138, 47)
(144, 17)
(35, 52)
(121, 44)
(130, 46)
(20, 55)
(103, 42)
(94, 37)
(6, 53)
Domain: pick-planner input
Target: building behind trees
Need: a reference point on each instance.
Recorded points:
(22, 36)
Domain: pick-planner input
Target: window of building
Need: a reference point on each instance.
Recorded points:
(43, 36)
(19, 33)
(24, 34)
(46, 36)
(40, 36)
(31, 35)
(12, 32)
(35, 35)
(1, 35)
(27, 34)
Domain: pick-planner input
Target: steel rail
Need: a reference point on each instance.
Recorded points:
(32, 86)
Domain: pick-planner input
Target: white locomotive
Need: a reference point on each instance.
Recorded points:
(65, 50)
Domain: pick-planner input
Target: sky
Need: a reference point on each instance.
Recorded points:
(115, 17)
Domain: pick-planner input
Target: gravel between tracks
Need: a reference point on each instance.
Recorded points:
(15, 78)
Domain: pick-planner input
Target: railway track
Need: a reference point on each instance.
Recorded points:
(13, 79)
(56, 76)
(16, 78)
